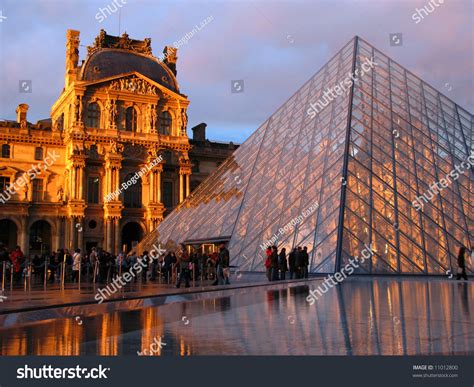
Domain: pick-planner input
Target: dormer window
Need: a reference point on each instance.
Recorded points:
(131, 119)
(38, 153)
(165, 123)
(93, 115)
(5, 151)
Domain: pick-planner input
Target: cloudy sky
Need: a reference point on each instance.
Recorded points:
(273, 46)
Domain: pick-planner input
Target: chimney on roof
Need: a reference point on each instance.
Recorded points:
(199, 132)
(21, 112)
(72, 55)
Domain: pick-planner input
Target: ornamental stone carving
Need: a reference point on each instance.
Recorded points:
(133, 85)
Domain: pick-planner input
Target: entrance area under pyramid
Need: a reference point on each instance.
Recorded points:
(351, 161)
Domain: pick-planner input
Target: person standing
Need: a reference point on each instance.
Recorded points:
(268, 263)
(283, 264)
(292, 263)
(299, 262)
(224, 262)
(17, 259)
(94, 263)
(462, 264)
(167, 264)
(145, 261)
(274, 263)
(183, 262)
(305, 262)
(102, 258)
(76, 264)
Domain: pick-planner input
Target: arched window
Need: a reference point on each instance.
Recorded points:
(165, 124)
(131, 119)
(5, 151)
(167, 157)
(61, 122)
(93, 185)
(132, 196)
(168, 194)
(93, 115)
(38, 153)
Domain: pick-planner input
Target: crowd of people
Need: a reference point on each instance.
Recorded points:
(278, 264)
(101, 266)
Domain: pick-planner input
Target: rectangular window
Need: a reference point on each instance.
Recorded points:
(5, 151)
(168, 194)
(4, 183)
(38, 153)
(37, 190)
(93, 190)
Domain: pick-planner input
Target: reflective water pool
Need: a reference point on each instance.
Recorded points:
(359, 317)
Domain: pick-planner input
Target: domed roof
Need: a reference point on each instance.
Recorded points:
(110, 62)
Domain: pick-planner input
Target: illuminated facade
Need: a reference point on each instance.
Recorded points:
(119, 111)
(362, 160)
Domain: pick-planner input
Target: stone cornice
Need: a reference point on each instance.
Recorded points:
(50, 139)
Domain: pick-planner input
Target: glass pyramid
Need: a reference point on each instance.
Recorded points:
(343, 178)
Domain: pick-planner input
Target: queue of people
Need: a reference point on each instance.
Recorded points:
(278, 264)
(102, 266)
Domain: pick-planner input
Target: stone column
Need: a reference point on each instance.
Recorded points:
(80, 234)
(158, 185)
(117, 235)
(151, 191)
(73, 182)
(81, 184)
(23, 237)
(184, 170)
(181, 190)
(108, 235)
(187, 185)
(72, 237)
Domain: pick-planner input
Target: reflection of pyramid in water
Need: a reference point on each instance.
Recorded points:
(364, 158)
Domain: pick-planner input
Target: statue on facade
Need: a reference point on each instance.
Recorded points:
(184, 120)
(25, 192)
(77, 110)
(60, 194)
(110, 113)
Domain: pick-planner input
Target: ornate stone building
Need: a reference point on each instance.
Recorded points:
(206, 155)
(120, 118)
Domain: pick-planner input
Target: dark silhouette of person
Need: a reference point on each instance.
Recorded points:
(283, 264)
(299, 262)
(462, 264)
(223, 271)
(274, 263)
(305, 270)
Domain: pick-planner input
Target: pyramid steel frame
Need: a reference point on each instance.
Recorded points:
(346, 178)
